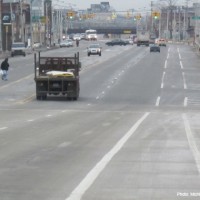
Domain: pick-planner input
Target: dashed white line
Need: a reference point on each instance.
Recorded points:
(181, 64)
(158, 101)
(162, 81)
(86, 183)
(3, 128)
(184, 82)
(179, 56)
(168, 56)
(30, 120)
(165, 64)
(185, 101)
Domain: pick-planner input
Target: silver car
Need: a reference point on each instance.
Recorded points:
(94, 49)
(66, 43)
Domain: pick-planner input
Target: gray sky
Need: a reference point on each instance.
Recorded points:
(119, 5)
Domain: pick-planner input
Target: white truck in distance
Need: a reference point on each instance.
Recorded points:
(91, 34)
(143, 38)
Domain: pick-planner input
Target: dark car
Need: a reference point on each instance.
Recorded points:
(116, 42)
(154, 48)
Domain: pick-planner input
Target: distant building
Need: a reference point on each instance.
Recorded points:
(102, 7)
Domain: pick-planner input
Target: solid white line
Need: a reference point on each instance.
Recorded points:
(191, 141)
(85, 184)
(158, 101)
(185, 101)
(181, 65)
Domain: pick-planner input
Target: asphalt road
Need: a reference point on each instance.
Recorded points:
(132, 135)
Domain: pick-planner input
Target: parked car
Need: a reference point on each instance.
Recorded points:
(116, 42)
(94, 49)
(66, 43)
(18, 48)
(37, 45)
(154, 48)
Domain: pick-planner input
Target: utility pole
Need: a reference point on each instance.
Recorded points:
(11, 20)
(21, 21)
(31, 23)
(1, 9)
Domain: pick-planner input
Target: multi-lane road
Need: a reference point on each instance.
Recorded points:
(132, 135)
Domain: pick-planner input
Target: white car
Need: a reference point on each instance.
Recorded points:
(94, 49)
(18, 48)
(66, 43)
(76, 37)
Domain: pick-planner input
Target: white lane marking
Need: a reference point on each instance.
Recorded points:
(184, 81)
(169, 50)
(181, 64)
(165, 64)
(185, 101)
(85, 184)
(178, 49)
(48, 115)
(162, 81)
(179, 56)
(30, 120)
(158, 101)
(168, 56)
(191, 141)
(3, 128)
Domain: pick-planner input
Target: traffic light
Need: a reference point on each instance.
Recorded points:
(155, 14)
(70, 14)
(137, 17)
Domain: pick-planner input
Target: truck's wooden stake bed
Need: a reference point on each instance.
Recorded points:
(57, 76)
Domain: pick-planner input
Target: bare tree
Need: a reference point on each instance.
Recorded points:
(171, 5)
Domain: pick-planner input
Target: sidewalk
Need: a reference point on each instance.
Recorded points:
(4, 55)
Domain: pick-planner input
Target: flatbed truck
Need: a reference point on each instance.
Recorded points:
(57, 76)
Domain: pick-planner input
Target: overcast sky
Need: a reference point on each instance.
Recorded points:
(118, 5)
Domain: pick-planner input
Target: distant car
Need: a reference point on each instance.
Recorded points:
(76, 37)
(154, 48)
(83, 36)
(71, 36)
(162, 42)
(66, 43)
(116, 42)
(18, 48)
(94, 49)
(129, 41)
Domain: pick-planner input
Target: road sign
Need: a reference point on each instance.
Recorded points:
(196, 17)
